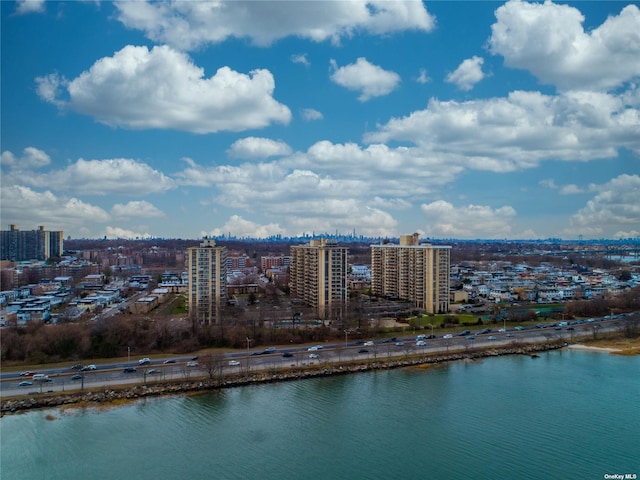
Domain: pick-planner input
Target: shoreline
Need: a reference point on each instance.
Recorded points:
(117, 396)
(580, 346)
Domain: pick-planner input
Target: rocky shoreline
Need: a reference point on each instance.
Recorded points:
(124, 394)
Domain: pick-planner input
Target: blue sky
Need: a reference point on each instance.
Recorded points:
(452, 119)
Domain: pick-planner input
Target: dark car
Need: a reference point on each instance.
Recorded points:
(25, 384)
(363, 350)
(464, 333)
(130, 370)
(430, 337)
(77, 376)
(77, 366)
(171, 360)
(195, 357)
(287, 354)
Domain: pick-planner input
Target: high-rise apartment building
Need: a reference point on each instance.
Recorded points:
(318, 276)
(412, 271)
(40, 244)
(207, 280)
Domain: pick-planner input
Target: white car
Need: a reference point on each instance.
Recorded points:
(314, 355)
(502, 330)
(368, 344)
(192, 364)
(234, 363)
(144, 361)
(448, 335)
(421, 343)
(312, 349)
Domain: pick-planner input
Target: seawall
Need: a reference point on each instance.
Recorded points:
(115, 395)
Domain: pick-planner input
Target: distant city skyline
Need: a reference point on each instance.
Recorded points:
(457, 120)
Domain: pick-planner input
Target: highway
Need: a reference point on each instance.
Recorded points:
(113, 374)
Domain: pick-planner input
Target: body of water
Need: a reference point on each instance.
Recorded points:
(565, 415)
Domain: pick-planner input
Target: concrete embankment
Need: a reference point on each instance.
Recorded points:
(119, 395)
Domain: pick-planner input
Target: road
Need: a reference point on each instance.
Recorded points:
(112, 374)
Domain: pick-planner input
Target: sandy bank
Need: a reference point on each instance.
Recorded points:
(579, 346)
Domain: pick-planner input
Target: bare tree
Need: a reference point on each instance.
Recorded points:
(213, 365)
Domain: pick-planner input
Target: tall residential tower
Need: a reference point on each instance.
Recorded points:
(207, 284)
(412, 271)
(318, 276)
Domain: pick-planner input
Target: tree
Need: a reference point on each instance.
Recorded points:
(213, 365)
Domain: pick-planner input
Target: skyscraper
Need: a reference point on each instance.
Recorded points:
(318, 276)
(412, 271)
(207, 280)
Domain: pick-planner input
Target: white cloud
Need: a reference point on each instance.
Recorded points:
(548, 183)
(117, 232)
(164, 89)
(136, 209)
(253, 147)
(188, 25)
(103, 177)
(32, 158)
(239, 227)
(520, 131)
(370, 80)
(471, 221)
(570, 189)
(22, 205)
(549, 40)
(615, 208)
(29, 6)
(423, 77)
(309, 114)
(300, 58)
(468, 73)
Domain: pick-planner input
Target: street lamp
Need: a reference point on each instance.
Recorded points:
(128, 354)
(431, 325)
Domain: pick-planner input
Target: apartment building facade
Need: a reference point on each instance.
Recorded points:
(40, 244)
(412, 271)
(318, 276)
(207, 281)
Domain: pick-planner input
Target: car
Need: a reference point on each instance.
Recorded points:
(25, 384)
(448, 335)
(368, 344)
(260, 352)
(77, 376)
(287, 354)
(312, 349)
(269, 349)
(234, 363)
(152, 371)
(170, 360)
(41, 377)
(399, 344)
(28, 373)
(129, 370)
(431, 337)
(87, 368)
(491, 337)
(464, 333)
(313, 355)
(363, 350)
(502, 330)
(192, 364)
(570, 328)
(519, 328)
(420, 337)
(509, 335)
(144, 361)
(470, 337)
(195, 357)
(77, 366)
(421, 343)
